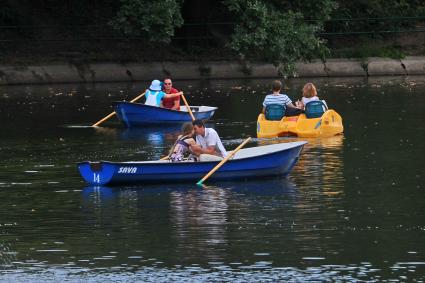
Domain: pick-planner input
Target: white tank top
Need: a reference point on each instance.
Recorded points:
(152, 99)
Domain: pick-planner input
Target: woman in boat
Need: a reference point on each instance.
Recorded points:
(309, 94)
(183, 143)
(155, 95)
(277, 98)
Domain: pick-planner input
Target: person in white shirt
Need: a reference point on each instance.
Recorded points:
(209, 146)
(309, 94)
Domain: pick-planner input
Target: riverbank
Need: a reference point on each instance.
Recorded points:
(116, 72)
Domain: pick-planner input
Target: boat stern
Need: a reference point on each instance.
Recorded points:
(96, 173)
(331, 123)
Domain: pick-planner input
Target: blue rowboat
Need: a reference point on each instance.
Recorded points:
(137, 114)
(254, 162)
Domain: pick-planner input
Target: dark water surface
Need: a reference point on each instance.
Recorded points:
(352, 209)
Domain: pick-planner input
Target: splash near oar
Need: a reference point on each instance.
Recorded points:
(113, 113)
(223, 161)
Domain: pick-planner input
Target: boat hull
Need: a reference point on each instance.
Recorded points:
(137, 114)
(274, 162)
(330, 124)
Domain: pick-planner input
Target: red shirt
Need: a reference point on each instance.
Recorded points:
(169, 102)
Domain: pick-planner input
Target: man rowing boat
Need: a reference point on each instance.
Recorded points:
(208, 144)
(155, 95)
(173, 102)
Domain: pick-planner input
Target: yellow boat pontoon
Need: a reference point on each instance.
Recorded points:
(303, 125)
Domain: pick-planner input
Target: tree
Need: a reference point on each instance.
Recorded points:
(8, 14)
(269, 30)
(154, 20)
(376, 14)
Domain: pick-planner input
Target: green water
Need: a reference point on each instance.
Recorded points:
(351, 210)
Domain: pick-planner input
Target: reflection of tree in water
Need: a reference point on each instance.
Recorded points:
(199, 218)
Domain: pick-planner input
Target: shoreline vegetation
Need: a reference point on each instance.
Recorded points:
(68, 72)
(132, 40)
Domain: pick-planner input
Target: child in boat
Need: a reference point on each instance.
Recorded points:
(278, 98)
(309, 94)
(182, 144)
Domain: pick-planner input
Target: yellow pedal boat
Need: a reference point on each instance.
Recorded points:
(329, 124)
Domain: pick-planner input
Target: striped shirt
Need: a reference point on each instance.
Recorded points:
(281, 99)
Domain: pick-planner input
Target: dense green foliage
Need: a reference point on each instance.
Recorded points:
(379, 8)
(370, 15)
(154, 20)
(7, 15)
(278, 31)
(270, 31)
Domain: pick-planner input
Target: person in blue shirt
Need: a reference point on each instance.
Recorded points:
(155, 95)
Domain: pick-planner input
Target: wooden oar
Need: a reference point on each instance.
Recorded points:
(113, 113)
(188, 107)
(223, 161)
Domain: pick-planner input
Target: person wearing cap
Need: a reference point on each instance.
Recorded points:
(155, 95)
(174, 102)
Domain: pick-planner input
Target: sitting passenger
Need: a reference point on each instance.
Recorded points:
(155, 95)
(309, 94)
(276, 98)
(183, 143)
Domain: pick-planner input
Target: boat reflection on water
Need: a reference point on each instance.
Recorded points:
(202, 218)
(320, 165)
(270, 186)
(156, 135)
(198, 217)
(151, 134)
(330, 142)
(155, 141)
